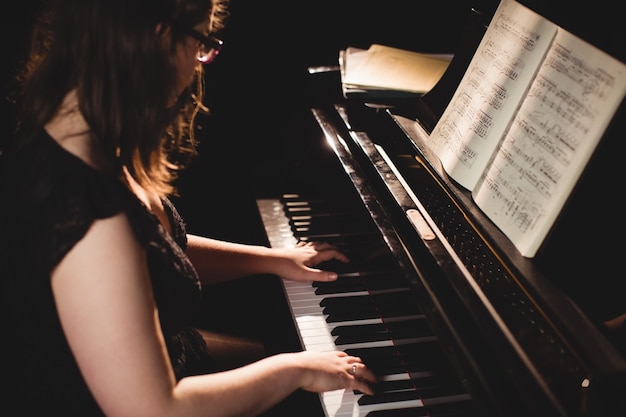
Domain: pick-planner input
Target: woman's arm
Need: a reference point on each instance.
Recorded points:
(218, 261)
(105, 303)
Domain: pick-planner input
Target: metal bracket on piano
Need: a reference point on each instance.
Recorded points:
(408, 201)
(397, 186)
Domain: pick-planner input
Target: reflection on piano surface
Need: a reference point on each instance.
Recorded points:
(436, 300)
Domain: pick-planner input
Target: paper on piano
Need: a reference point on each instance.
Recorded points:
(383, 71)
(525, 119)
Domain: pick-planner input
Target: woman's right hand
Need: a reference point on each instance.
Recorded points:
(329, 371)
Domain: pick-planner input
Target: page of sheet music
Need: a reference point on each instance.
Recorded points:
(489, 94)
(555, 132)
(390, 68)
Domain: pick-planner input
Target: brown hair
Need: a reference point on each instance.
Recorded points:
(125, 80)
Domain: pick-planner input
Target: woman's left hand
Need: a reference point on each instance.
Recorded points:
(300, 261)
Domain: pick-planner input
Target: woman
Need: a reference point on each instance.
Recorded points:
(100, 281)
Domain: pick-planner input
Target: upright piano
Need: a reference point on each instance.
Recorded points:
(436, 300)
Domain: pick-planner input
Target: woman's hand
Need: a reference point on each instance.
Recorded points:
(298, 263)
(218, 261)
(329, 371)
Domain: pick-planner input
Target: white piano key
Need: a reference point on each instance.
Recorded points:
(339, 403)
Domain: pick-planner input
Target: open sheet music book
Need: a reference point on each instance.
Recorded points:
(386, 72)
(525, 119)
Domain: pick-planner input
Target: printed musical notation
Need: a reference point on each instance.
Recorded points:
(487, 97)
(551, 138)
(525, 119)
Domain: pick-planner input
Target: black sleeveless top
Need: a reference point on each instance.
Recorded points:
(48, 200)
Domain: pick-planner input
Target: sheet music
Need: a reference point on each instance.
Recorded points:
(489, 94)
(557, 128)
(384, 67)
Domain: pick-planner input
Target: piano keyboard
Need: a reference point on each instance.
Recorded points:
(368, 312)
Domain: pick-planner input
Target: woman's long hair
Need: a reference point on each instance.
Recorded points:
(110, 52)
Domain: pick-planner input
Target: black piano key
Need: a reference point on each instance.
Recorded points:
(347, 302)
(424, 356)
(463, 408)
(378, 332)
(395, 385)
(346, 308)
(322, 208)
(371, 266)
(416, 357)
(384, 365)
(347, 338)
(330, 236)
(336, 239)
(428, 385)
(328, 200)
(340, 316)
(367, 253)
(389, 397)
(435, 385)
(379, 300)
(381, 360)
(442, 381)
(354, 285)
(341, 285)
(338, 223)
(402, 412)
(336, 266)
(442, 395)
(407, 352)
(423, 385)
(441, 391)
(348, 283)
(383, 281)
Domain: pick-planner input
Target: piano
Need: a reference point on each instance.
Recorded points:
(436, 300)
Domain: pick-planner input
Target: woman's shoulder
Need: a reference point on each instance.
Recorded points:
(51, 176)
(53, 197)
